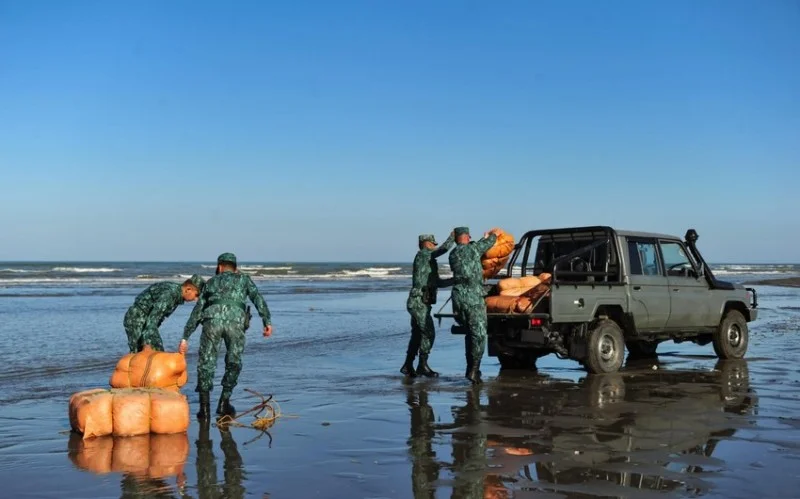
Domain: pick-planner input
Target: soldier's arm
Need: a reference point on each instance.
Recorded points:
(194, 317)
(485, 243)
(445, 247)
(258, 301)
(444, 283)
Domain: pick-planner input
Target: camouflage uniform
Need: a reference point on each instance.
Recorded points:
(149, 310)
(468, 295)
(424, 284)
(221, 308)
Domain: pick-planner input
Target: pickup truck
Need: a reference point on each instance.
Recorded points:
(611, 290)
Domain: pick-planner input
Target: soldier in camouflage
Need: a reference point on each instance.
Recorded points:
(424, 284)
(222, 311)
(468, 295)
(152, 306)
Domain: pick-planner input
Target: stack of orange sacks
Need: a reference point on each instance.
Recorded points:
(144, 398)
(518, 294)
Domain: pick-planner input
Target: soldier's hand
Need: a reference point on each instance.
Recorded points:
(183, 347)
(268, 331)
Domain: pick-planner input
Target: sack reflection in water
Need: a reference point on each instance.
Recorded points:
(151, 456)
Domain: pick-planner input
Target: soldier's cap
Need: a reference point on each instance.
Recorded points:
(197, 282)
(227, 258)
(427, 238)
(461, 231)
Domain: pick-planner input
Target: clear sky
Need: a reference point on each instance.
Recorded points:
(340, 130)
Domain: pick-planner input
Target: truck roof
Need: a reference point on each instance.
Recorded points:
(620, 232)
(652, 235)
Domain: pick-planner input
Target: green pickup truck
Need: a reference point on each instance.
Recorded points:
(611, 290)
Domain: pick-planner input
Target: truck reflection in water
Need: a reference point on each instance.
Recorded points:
(618, 435)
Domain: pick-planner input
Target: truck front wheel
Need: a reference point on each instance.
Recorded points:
(730, 340)
(606, 348)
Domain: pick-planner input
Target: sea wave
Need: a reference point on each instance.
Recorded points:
(85, 269)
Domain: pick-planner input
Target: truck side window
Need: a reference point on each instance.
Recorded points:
(643, 258)
(675, 259)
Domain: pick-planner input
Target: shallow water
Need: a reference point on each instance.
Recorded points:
(352, 427)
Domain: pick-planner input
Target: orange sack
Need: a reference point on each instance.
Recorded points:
(128, 412)
(508, 304)
(515, 286)
(147, 456)
(150, 369)
(496, 257)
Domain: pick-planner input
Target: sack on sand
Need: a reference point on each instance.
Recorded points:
(496, 258)
(145, 456)
(150, 369)
(128, 412)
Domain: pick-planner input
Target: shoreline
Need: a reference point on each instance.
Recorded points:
(785, 282)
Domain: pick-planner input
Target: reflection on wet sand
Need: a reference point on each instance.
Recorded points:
(153, 465)
(637, 433)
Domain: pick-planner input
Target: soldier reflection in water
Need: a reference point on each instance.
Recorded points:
(424, 466)
(208, 487)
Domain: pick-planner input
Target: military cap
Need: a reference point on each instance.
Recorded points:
(461, 231)
(427, 238)
(227, 257)
(197, 282)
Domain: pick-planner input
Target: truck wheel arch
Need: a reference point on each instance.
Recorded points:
(735, 305)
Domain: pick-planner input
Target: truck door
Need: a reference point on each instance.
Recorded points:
(649, 300)
(690, 297)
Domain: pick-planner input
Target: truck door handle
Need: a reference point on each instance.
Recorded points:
(676, 289)
(637, 288)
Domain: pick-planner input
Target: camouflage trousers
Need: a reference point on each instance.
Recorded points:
(233, 335)
(473, 317)
(423, 332)
(138, 336)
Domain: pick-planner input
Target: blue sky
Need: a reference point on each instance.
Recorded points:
(340, 130)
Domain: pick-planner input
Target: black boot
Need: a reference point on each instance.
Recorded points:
(423, 369)
(224, 408)
(474, 372)
(408, 367)
(205, 408)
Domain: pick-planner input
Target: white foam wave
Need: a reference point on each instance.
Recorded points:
(22, 271)
(85, 269)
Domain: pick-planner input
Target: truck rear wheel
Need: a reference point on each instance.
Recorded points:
(731, 339)
(606, 348)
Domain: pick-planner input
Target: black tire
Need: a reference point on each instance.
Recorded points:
(520, 361)
(641, 349)
(731, 338)
(606, 348)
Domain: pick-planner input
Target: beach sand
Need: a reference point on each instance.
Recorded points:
(353, 427)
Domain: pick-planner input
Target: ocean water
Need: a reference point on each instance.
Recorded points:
(681, 425)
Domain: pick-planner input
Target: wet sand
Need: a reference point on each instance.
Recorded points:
(353, 427)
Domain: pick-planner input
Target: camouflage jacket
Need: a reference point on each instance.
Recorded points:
(225, 298)
(465, 262)
(425, 277)
(157, 302)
